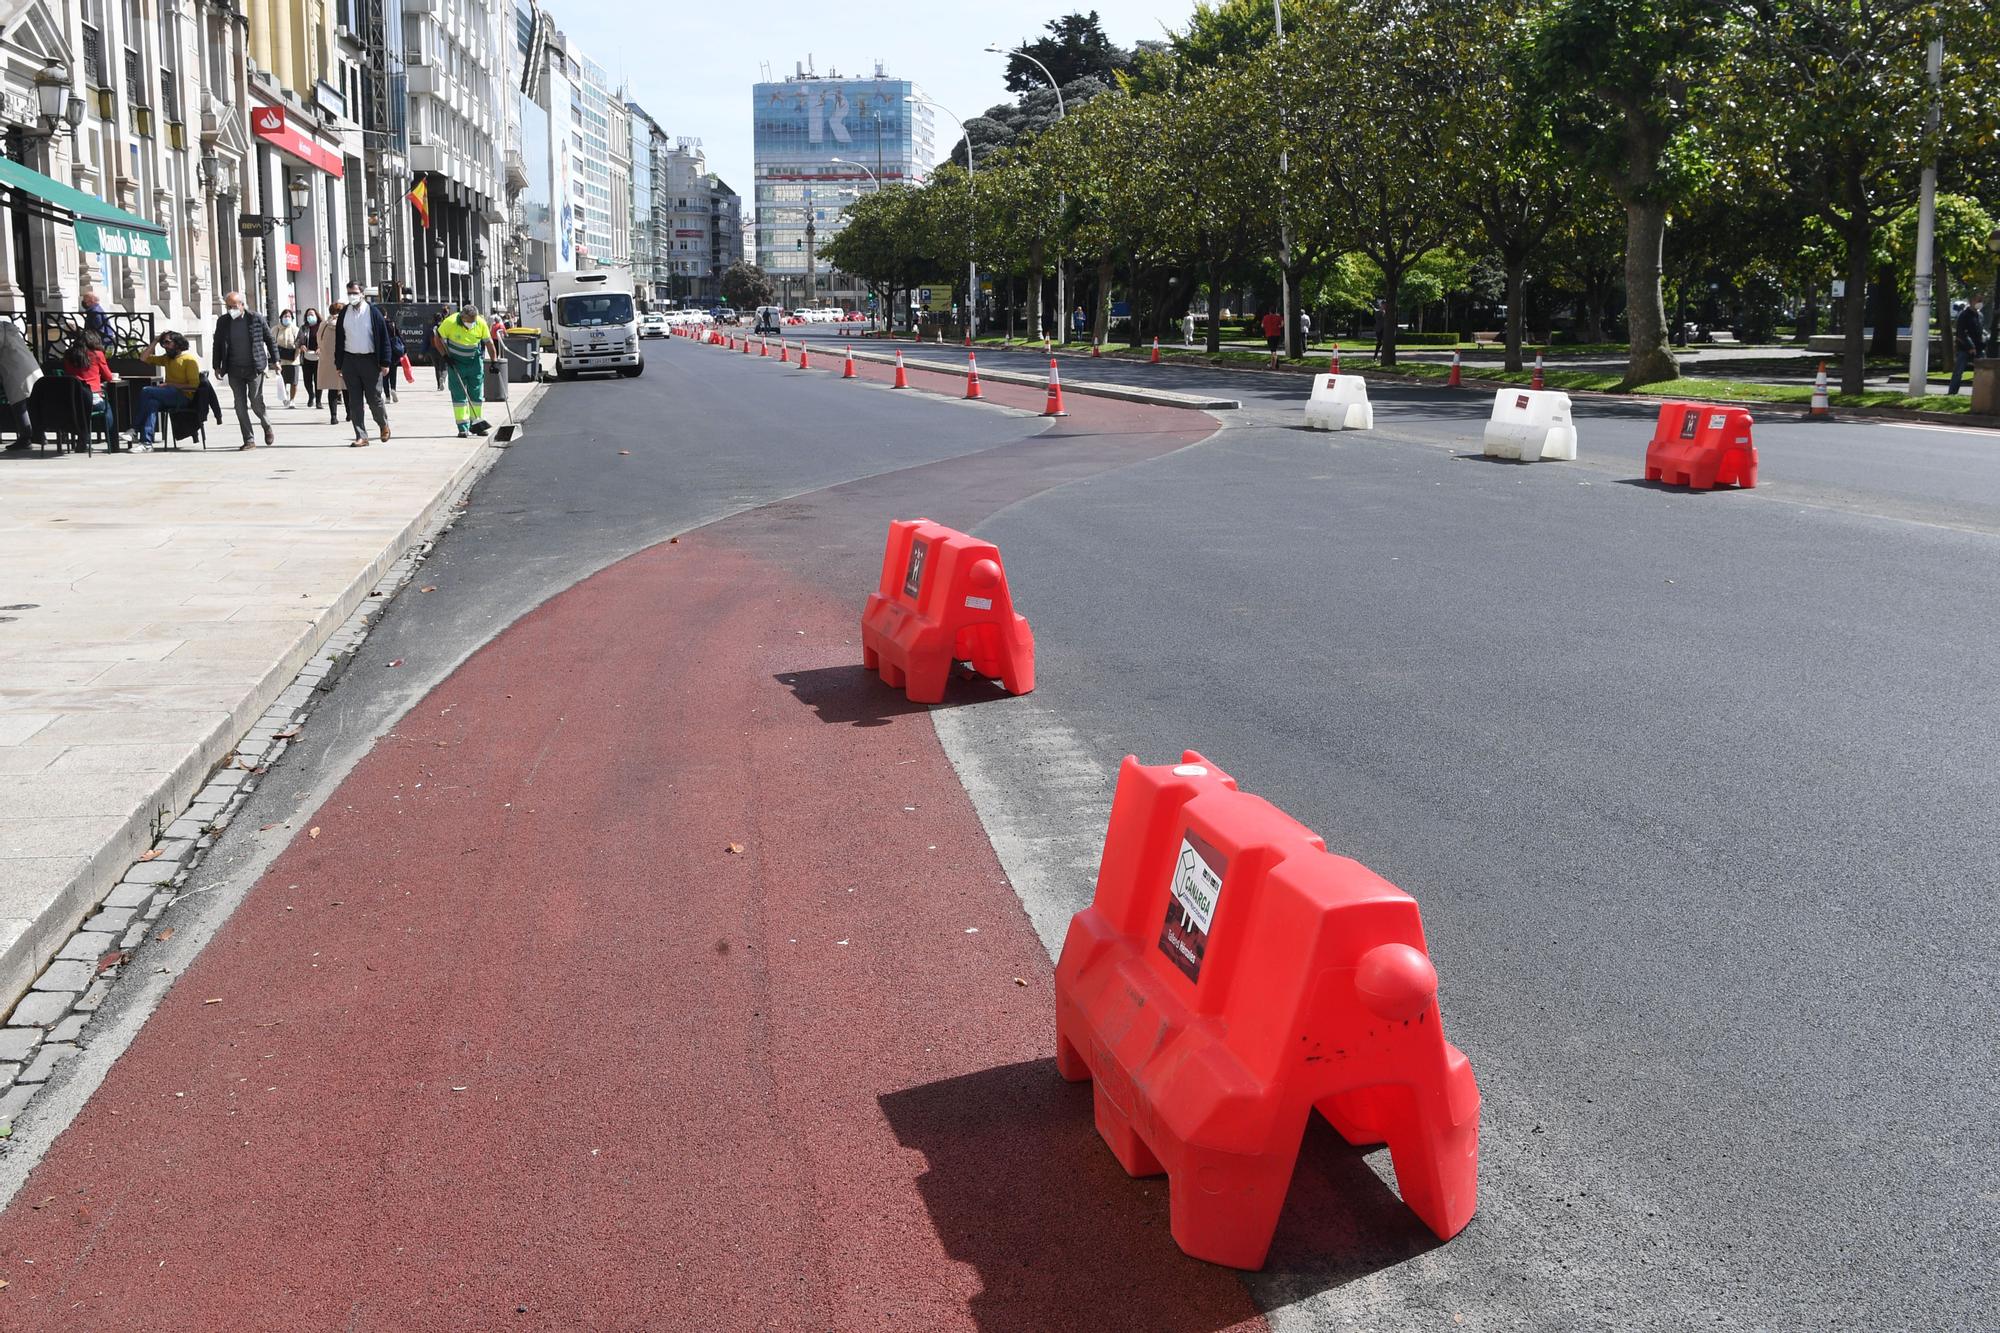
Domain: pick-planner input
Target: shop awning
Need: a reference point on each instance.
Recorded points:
(101, 228)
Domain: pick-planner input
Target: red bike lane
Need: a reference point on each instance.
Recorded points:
(654, 972)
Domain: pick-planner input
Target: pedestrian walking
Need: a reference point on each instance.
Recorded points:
(309, 327)
(461, 343)
(244, 350)
(361, 350)
(1970, 343)
(287, 339)
(329, 365)
(1187, 329)
(430, 341)
(398, 352)
(1305, 329)
(20, 371)
(183, 381)
(1274, 329)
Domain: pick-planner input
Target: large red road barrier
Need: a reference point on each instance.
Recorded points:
(943, 598)
(1230, 977)
(1702, 446)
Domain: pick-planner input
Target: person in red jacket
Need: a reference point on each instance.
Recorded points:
(85, 361)
(1274, 329)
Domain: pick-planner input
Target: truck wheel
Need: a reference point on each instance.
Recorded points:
(631, 372)
(565, 374)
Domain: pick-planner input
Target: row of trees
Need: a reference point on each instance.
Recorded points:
(1623, 144)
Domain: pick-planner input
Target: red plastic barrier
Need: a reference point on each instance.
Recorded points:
(1702, 446)
(943, 599)
(1230, 977)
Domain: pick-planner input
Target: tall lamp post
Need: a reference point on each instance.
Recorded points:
(1062, 200)
(873, 180)
(971, 232)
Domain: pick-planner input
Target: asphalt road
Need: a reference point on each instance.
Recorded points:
(1695, 792)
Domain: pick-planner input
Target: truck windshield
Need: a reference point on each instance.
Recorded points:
(595, 310)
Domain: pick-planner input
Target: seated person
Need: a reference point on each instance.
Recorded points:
(85, 361)
(183, 370)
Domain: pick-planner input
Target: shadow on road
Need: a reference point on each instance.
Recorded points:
(1020, 1186)
(853, 696)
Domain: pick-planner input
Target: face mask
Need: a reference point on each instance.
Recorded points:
(312, 319)
(285, 320)
(354, 298)
(236, 312)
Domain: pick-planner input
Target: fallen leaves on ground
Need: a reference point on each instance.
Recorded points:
(398, 662)
(150, 854)
(1019, 981)
(165, 935)
(111, 960)
(624, 453)
(216, 1000)
(313, 832)
(287, 734)
(734, 849)
(430, 587)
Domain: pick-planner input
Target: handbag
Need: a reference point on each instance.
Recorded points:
(408, 376)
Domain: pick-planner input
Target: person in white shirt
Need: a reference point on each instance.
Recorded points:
(361, 350)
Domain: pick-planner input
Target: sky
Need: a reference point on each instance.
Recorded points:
(691, 66)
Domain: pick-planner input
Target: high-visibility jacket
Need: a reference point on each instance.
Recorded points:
(463, 338)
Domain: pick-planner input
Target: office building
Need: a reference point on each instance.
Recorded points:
(819, 142)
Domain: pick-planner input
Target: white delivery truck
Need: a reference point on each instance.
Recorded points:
(595, 321)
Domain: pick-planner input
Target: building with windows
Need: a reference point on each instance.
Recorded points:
(591, 104)
(129, 158)
(456, 55)
(819, 142)
(649, 146)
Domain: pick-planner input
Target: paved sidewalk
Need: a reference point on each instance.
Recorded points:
(152, 606)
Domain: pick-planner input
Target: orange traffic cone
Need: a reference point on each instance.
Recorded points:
(1333, 361)
(784, 350)
(1096, 347)
(746, 344)
(1821, 407)
(1054, 408)
(804, 364)
(1453, 382)
(1537, 381)
(972, 376)
(763, 346)
(847, 371)
(1156, 349)
(902, 377)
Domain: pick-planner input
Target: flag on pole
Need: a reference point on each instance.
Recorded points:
(420, 195)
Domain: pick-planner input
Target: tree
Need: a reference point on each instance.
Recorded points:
(1075, 48)
(1376, 121)
(1623, 80)
(1848, 91)
(746, 286)
(1520, 185)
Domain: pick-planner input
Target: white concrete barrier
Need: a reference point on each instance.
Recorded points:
(1340, 402)
(1529, 424)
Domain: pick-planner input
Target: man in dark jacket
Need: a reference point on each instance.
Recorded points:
(243, 350)
(1971, 340)
(363, 349)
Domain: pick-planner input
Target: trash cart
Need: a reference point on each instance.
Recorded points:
(1986, 386)
(524, 354)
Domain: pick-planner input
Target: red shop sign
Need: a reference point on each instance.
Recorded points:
(268, 124)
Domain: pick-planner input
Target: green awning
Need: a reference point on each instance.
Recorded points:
(101, 228)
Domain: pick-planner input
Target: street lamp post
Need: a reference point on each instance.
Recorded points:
(971, 232)
(873, 180)
(1062, 200)
(1284, 219)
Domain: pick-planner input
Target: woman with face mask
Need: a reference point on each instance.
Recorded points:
(309, 354)
(288, 356)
